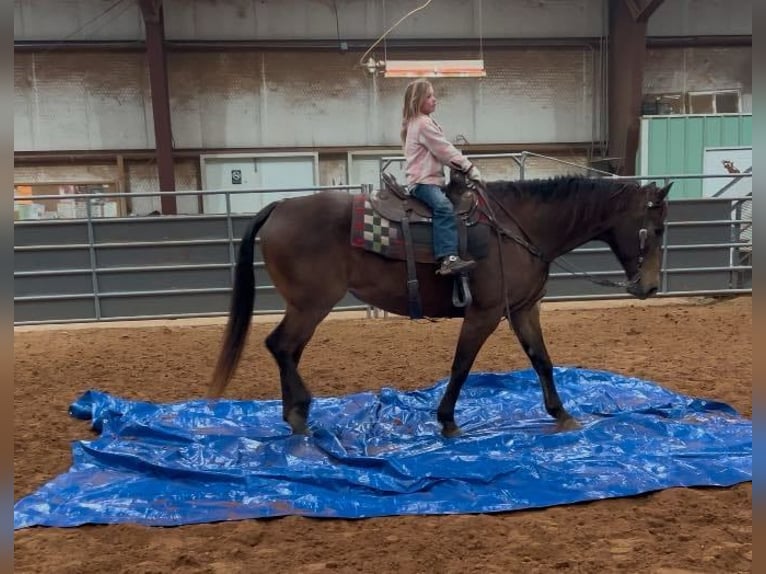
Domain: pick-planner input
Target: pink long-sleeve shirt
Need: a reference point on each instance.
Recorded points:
(427, 151)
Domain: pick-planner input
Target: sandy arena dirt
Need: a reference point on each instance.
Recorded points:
(701, 347)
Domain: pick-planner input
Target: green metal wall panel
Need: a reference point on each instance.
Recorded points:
(657, 147)
(673, 145)
(747, 129)
(695, 132)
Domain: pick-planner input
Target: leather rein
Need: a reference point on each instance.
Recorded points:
(523, 240)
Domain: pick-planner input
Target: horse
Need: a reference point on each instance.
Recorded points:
(308, 254)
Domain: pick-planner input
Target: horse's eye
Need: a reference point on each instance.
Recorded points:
(659, 230)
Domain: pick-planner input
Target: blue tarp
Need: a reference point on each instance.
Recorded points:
(376, 454)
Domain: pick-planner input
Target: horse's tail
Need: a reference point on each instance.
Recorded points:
(241, 310)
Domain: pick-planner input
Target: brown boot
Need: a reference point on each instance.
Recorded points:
(453, 264)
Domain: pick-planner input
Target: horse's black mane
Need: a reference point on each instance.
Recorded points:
(582, 198)
(585, 197)
(560, 188)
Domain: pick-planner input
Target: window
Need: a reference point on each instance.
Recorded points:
(28, 205)
(722, 102)
(711, 102)
(662, 104)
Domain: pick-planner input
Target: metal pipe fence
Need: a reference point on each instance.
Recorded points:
(714, 226)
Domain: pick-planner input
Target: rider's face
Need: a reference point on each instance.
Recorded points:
(429, 103)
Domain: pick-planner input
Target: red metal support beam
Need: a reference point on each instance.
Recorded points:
(641, 10)
(163, 135)
(627, 53)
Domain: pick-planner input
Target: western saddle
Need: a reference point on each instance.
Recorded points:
(395, 204)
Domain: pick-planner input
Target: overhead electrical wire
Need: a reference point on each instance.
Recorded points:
(407, 15)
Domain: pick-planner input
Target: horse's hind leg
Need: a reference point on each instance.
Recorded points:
(526, 324)
(286, 344)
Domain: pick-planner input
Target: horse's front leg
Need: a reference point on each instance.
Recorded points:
(477, 326)
(526, 324)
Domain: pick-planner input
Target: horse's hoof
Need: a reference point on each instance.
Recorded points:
(451, 430)
(568, 424)
(297, 423)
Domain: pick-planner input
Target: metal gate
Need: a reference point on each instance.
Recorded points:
(107, 269)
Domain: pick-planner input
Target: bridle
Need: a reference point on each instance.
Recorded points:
(643, 235)
(501, 231)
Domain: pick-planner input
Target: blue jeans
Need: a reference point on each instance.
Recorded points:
(444, 227)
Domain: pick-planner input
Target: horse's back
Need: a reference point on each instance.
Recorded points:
(306, 249)
(309, 223)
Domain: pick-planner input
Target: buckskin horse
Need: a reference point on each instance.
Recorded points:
(308, 254)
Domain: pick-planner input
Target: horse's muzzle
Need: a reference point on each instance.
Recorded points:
(640, 292)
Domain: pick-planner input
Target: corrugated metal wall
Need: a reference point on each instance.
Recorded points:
(676, 144)
(368, 19)
(77, 19)
(702, 18)
(280, 19)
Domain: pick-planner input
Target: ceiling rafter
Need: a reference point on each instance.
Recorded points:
(641, 10)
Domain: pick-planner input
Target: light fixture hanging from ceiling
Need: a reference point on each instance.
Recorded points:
(425, 68)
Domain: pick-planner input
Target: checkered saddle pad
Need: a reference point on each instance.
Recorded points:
(373, 232)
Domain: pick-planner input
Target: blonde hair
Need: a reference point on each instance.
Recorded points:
(414, 96)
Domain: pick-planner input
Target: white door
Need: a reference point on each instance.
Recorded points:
(257, 173)
(235, 174)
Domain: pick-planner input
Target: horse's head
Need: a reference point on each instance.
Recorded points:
(636, 239)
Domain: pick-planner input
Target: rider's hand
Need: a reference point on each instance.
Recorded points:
(474, 174)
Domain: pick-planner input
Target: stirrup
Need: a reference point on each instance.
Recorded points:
(461, 292)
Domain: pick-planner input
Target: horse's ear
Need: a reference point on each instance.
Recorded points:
(665, 190)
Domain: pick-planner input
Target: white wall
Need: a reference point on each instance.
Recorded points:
(291, 99)
(84, 101)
